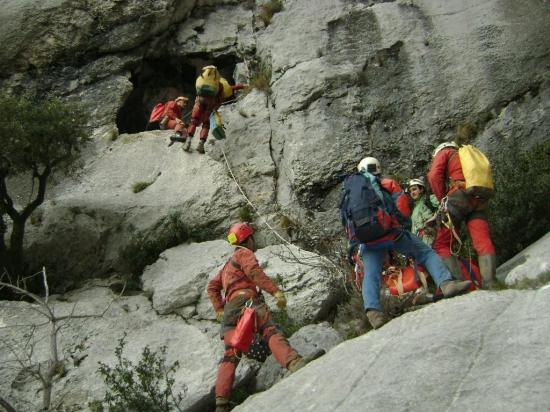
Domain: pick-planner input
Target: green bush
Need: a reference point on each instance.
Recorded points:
(37, 137)
(143, 387)
(519, 210)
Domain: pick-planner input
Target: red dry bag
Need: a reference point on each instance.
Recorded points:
(243, 335)
(403, 280)
(157, 112)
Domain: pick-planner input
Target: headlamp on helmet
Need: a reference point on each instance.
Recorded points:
(239, 232)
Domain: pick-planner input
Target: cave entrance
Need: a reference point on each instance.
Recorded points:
(163, 79)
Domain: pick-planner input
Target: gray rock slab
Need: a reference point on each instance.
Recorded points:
(531, 264)
(177, 281)
(181, 274)
(306, 341)
(97, 215)
(484, 351)
(306, 279)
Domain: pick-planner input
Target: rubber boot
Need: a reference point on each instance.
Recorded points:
(376, 318)
(300, 361)
(452, 288)
(452, 264)
(200, 147)
(487, 269)
(222, 404)
(187, 146)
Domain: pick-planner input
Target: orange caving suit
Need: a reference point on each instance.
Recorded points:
(202, 109)
(173, 111)
(402, 202)
(239, 278)
(446, 179)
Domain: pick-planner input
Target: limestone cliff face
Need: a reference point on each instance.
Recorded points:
(348, 79)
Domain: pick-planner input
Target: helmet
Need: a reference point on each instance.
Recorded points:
(239, 232)
(371, 165)
(443, 146)
(210, 72)
(417, 182)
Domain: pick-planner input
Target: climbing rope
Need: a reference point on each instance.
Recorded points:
(286, 243)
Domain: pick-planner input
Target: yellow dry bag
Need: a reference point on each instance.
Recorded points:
(208, 83)
(227, 90)
(477, 171)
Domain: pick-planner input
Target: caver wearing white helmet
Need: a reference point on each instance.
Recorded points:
(443, 146)
(371, 165)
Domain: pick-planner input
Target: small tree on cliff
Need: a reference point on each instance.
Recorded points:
(36, 137)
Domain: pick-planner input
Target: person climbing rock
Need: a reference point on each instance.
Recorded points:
(212, 91)
(242, 279)
(447, 181)
(424, 210)
(173, 118)
(369, 212)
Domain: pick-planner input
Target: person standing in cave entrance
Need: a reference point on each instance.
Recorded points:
(212, 91)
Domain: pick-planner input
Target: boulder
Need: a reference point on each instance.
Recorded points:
(180, 275)
(485, 350)
(177, 281)
(306, 341)
(530, 267)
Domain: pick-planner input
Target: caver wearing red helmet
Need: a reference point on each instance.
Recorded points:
(242, 278)
(240, 232)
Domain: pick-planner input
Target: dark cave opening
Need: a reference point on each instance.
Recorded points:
(160, 80)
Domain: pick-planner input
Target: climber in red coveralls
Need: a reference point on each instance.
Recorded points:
(241, 279)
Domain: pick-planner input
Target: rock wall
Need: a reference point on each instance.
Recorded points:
(445, 356)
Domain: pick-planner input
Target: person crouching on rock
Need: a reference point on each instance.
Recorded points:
(241, 279)
(173, 117)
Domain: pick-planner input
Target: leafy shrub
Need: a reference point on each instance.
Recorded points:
(144, 387)
(267, 10)
(519, 210)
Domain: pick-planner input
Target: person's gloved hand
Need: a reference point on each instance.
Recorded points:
(281, 299)
(219, 315)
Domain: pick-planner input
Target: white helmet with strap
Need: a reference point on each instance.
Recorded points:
(443, 146)
(417, 182)
(371, 165)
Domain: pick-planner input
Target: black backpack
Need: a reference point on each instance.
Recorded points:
(365, 216)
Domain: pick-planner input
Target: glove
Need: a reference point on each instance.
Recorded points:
(281, 299)
(219, 315)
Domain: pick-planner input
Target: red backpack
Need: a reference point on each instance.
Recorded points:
(157, 112)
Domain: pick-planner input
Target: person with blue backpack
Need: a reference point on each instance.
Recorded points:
(369, 215)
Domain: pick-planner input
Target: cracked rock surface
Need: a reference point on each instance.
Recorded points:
(485, 349)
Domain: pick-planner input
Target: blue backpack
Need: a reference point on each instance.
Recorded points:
(365, 216)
